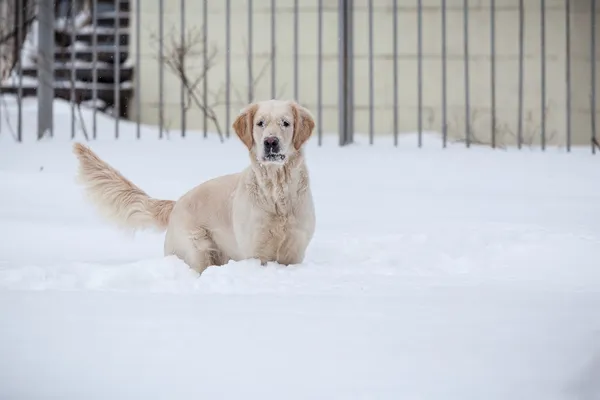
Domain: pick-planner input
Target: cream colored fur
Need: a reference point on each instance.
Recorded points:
(116, 197)
(264, 212)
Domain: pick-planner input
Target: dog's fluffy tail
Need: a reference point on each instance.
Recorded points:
(116, 197)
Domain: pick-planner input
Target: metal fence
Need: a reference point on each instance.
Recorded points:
(478, 72)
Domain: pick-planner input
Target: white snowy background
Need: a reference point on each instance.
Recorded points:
(433, 274)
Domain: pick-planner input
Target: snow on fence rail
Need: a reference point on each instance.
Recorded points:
(476, 72)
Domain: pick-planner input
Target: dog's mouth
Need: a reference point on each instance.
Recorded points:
(273, 157)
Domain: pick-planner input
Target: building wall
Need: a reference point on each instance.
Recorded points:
(479, 64)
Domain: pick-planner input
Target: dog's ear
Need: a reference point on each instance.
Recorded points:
(303, 124)
(243, 125)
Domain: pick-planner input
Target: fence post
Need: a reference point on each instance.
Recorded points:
(346, 76)
(45, 63)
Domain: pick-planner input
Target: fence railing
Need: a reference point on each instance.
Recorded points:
(496, 72)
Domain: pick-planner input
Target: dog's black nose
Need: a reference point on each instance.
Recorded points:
(271, 144)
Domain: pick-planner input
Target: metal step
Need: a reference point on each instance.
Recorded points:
(124, 5)
(110, 18)
(105, 36)
(84, 72)
(106, 54)
(104, 92)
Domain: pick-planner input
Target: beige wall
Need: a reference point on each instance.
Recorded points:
(479, 38)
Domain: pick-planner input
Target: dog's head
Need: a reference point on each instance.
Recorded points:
(274, 130)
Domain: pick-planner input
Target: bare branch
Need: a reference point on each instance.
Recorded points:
(6, 36)
(174, 57)
(14, 27)
(7, 118)
(81, 120)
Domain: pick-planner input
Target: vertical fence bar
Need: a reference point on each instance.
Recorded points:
(138, 64)
(493, 68)
(72, 27)
(296, 50)
(274, 49)
(371, 95)
(342, 85)
(521, 73)
(45, 64)
(467, 76)
(250, 57)
(3, 10)
(182, 87)
(543, 71)
(19, 42)
(95, 68)
(161, 71)
(3, 16)
(205, 64)
(420, 69)
(350, 50)
(568, 69)
(227, 67)
(320, 73)
(345, 87)
(444, 78)
(117, 67)
(594, 140)
(395, 66)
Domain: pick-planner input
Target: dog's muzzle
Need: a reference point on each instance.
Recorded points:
(272, 149)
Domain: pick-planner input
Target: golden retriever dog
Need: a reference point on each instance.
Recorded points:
(265, 212)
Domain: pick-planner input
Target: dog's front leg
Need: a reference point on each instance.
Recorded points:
(265, 249)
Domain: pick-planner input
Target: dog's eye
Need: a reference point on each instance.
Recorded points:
(285, 124)
(261, 124)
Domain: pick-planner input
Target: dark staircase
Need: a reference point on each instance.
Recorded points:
(111, 52)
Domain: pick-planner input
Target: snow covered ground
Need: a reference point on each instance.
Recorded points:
(433, 274)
